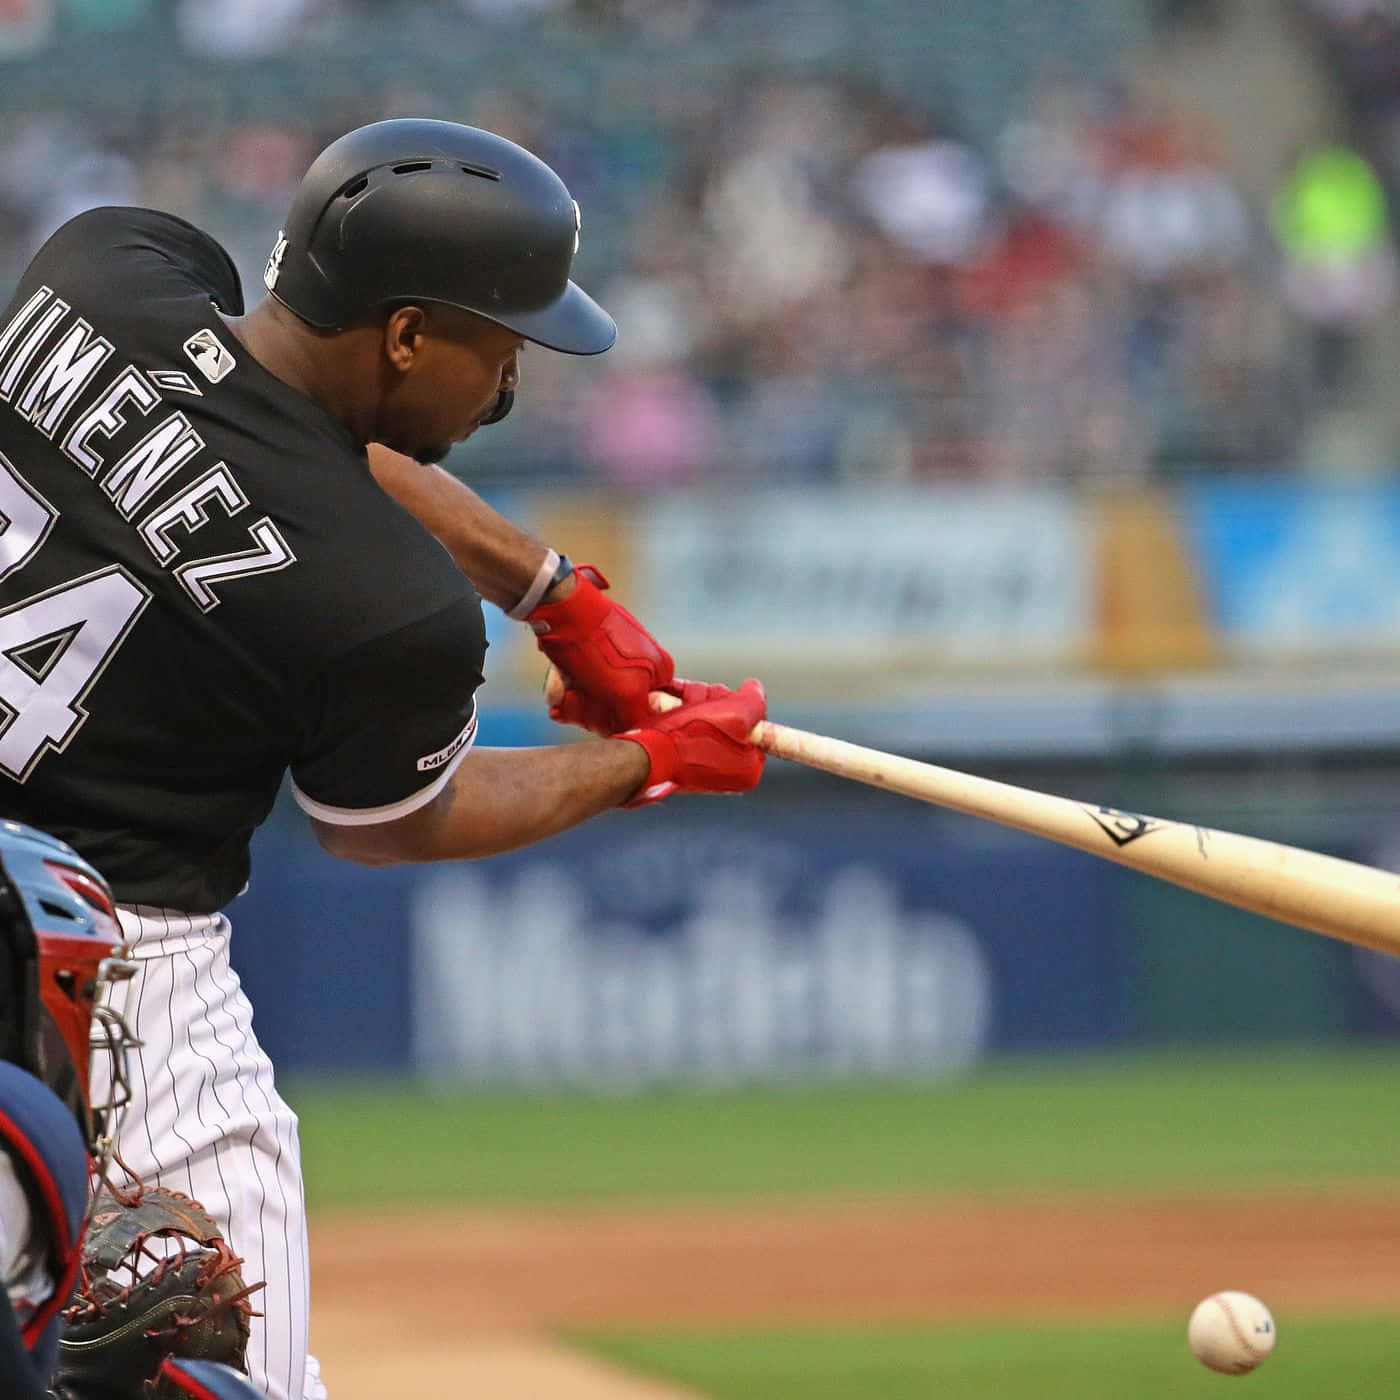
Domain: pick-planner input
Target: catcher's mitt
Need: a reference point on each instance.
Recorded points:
(157, 1280)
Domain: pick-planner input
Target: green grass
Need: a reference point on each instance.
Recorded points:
(1128, 1123)
(1355, 1358)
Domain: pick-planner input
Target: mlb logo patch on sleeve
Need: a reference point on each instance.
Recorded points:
(210, 356)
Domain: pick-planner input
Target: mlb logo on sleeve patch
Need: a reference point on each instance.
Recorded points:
(210, 357)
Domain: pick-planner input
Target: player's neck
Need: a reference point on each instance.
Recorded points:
(301, 358)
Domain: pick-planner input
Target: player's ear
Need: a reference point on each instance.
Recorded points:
(404, 328)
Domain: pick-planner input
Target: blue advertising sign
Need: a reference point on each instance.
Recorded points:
(320, 947)
(1294, 567)
(721, 942)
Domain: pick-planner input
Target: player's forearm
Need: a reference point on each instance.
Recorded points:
(498, 556)
(500, 799)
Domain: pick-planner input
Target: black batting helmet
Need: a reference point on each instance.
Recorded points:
(419, 210)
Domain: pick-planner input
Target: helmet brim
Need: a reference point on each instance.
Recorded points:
(573, 323)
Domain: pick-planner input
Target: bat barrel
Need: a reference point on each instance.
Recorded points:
(1341, 899)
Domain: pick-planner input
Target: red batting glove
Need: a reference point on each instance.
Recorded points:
(703, 746)
(609, 661)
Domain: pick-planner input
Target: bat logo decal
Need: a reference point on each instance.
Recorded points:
(1122, 827)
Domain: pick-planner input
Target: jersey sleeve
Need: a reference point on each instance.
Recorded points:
(171, 254)
(392, 719)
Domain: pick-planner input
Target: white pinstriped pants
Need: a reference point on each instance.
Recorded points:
(206, 1119)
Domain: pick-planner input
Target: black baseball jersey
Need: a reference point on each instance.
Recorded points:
(201, 584)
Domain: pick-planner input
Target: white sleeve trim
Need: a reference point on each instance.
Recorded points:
(449, 757)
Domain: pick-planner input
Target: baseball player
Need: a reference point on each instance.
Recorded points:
(204, 587)
(59, 946)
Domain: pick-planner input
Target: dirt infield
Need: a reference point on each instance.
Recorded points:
(477, 1322)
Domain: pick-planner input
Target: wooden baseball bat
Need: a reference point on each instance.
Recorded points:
(1340, 898)
(1356, 903)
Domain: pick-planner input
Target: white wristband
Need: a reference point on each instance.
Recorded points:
(543, 578)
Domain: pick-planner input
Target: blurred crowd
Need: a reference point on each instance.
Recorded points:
(819, 274)
(1361, 39)
(1334, 213)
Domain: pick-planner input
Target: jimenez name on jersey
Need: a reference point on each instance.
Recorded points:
(59, 399)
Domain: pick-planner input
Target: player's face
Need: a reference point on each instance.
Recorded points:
(451, 368)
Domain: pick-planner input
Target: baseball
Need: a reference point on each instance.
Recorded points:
(1231, 1332)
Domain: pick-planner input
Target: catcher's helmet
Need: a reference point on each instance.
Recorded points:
(60, 947)
(420, 210)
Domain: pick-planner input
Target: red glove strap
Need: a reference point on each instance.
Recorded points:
(661, 750)
(573, 617)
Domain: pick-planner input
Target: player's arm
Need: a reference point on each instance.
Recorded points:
(500, 799)
(610, 661)
(497, 800)
(387, 770)
(500, 558)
